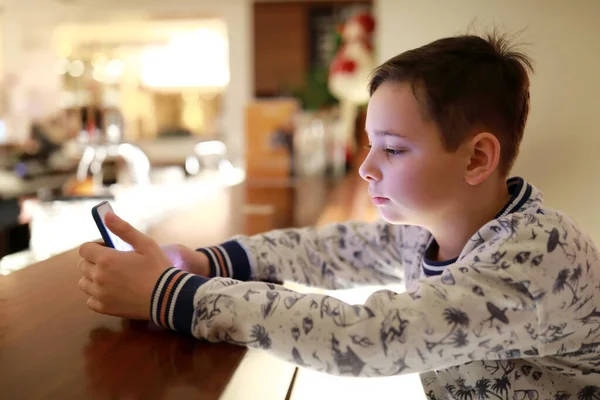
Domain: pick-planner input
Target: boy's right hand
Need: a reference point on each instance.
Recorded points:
(187, 259)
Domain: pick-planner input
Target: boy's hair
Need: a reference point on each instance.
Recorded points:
(467, 84)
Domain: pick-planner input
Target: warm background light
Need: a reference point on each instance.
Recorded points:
(196, 59)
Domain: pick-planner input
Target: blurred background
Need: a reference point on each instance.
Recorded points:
(156, 106)
(258, 106)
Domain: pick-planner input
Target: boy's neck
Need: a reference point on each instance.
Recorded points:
(480, 207)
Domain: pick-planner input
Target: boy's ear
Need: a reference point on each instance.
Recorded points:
(484, 157)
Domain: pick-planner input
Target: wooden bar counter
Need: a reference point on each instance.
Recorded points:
(53, 347)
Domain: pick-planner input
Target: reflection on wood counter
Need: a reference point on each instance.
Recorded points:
(52, 346)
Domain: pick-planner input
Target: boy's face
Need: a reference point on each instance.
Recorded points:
(412, 178)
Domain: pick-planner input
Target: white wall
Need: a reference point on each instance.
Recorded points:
(560, 151)
(29, 84)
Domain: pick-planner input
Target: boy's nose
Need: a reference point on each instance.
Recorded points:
(368, 171)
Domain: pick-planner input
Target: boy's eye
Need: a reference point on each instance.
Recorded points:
(393, 152)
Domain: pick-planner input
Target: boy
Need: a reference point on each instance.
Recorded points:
(500, 290)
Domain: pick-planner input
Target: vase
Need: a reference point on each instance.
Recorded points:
(313, 135)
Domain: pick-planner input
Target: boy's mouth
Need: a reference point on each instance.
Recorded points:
(379, 201)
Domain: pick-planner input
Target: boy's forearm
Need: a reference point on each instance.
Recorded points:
(436, 326)
(332, 257)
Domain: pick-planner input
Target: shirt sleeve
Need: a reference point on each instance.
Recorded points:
(477, 309)
(334, 256)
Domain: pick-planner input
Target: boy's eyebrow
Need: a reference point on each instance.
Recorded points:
(389, 133)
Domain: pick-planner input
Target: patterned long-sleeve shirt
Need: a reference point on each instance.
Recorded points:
(515, 316)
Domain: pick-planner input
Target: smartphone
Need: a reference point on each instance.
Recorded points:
(110, 239)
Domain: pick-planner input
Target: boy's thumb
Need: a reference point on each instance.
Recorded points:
(124, 230)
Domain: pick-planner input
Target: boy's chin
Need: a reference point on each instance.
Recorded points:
(393, 217)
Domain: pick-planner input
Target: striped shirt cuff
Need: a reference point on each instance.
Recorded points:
(228, 260)
(172, 304)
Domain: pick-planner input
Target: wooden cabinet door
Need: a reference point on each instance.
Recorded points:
(280, 46)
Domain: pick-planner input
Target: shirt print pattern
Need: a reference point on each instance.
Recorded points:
(517, 316)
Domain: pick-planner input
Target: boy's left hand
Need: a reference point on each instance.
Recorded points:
(121, 283)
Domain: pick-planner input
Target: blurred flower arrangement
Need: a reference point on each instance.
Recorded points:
(332, 96)
(314, 94)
